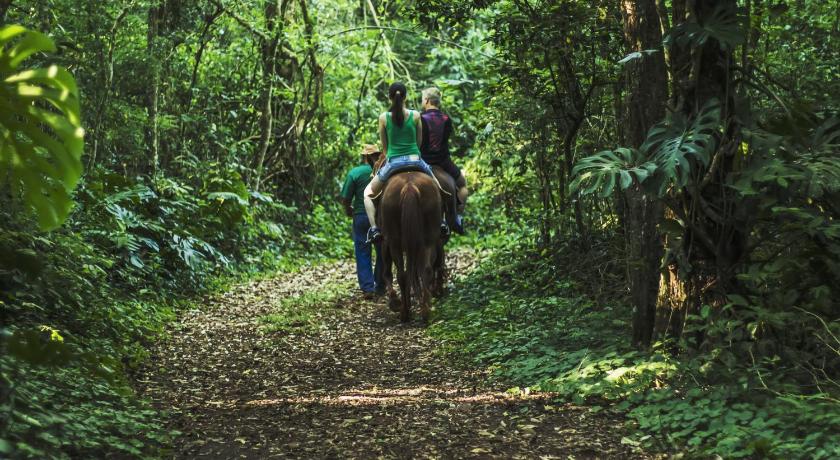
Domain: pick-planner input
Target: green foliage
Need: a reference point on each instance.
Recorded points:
(40, 126)
(664, 160)
(724, 25)
(303, 313)
(67, 412)
(604, 170)
(531, 324)
(672, 144)
(735, 423)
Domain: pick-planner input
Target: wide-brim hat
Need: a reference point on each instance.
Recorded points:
(370, 149)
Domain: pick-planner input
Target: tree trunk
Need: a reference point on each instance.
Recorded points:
(646, 80)
(107, 65)
(4, 7)
(703, 268)
(269, 58)
(153, 96)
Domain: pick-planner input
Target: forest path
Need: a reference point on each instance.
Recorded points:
(345, 380)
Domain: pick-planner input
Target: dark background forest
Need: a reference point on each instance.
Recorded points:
(655, 189)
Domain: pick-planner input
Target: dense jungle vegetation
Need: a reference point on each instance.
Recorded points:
(655, 187)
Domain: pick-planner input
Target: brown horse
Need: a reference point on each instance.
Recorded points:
(410, 215)
(449, 206)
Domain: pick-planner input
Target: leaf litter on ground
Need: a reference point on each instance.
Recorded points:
(302, 366)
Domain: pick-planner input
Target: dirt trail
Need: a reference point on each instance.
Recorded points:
(360, 385)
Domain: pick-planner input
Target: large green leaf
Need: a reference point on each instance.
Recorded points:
(602, 171)
(41, 135)
(672, 143)
(725, 25)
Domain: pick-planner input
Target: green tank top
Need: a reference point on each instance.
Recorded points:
(402, 141)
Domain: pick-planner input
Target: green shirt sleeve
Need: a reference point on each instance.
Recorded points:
(347, 189)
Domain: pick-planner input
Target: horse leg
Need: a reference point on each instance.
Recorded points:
(388, 276)
(438, 276)
(405, 291)
(426, 275)
(393, 299)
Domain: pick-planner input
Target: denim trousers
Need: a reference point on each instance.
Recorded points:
(370, 279)
(403, 163)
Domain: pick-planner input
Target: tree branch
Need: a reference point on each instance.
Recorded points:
(414, 32)
(240, 20)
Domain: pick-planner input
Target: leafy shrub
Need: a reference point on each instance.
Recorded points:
(523, 316)
(105, 284)
(67, 412)
(41, 126)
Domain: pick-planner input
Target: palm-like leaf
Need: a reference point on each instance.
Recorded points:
(822, 161)
(663, 159)
(672, 143)
(41, 137)
(724, 25)
(602, 171)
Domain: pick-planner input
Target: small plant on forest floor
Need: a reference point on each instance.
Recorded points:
(304, 312)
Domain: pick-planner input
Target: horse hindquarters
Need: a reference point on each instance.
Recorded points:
(411, 214)
(421, 217)
(411, 224)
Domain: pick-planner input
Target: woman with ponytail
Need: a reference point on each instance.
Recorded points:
(401, 134)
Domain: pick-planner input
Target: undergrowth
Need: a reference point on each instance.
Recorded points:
(80, 305)
(530, 318)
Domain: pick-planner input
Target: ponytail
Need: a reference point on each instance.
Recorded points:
(397, 93)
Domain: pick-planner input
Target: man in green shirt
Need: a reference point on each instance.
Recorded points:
(352, 197)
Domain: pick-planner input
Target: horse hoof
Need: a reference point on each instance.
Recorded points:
(394, 305)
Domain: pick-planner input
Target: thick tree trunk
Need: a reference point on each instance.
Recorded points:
(703, 269)
(646, 80)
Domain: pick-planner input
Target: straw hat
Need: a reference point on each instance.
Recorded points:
(370, 149)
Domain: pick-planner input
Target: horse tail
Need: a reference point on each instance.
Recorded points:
(411, 223)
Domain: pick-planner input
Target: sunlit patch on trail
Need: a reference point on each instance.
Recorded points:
(403, 396)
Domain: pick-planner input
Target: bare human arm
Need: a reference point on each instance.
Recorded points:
(383, 135)
(418, 123)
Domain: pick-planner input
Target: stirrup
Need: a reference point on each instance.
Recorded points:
(373, 235)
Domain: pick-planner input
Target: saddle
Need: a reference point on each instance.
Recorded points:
(410, 168)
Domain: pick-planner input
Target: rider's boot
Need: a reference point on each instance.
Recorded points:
(459, 224)
(444, 230)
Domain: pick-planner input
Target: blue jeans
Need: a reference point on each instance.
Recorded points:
(403, 163)
(370, 279)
